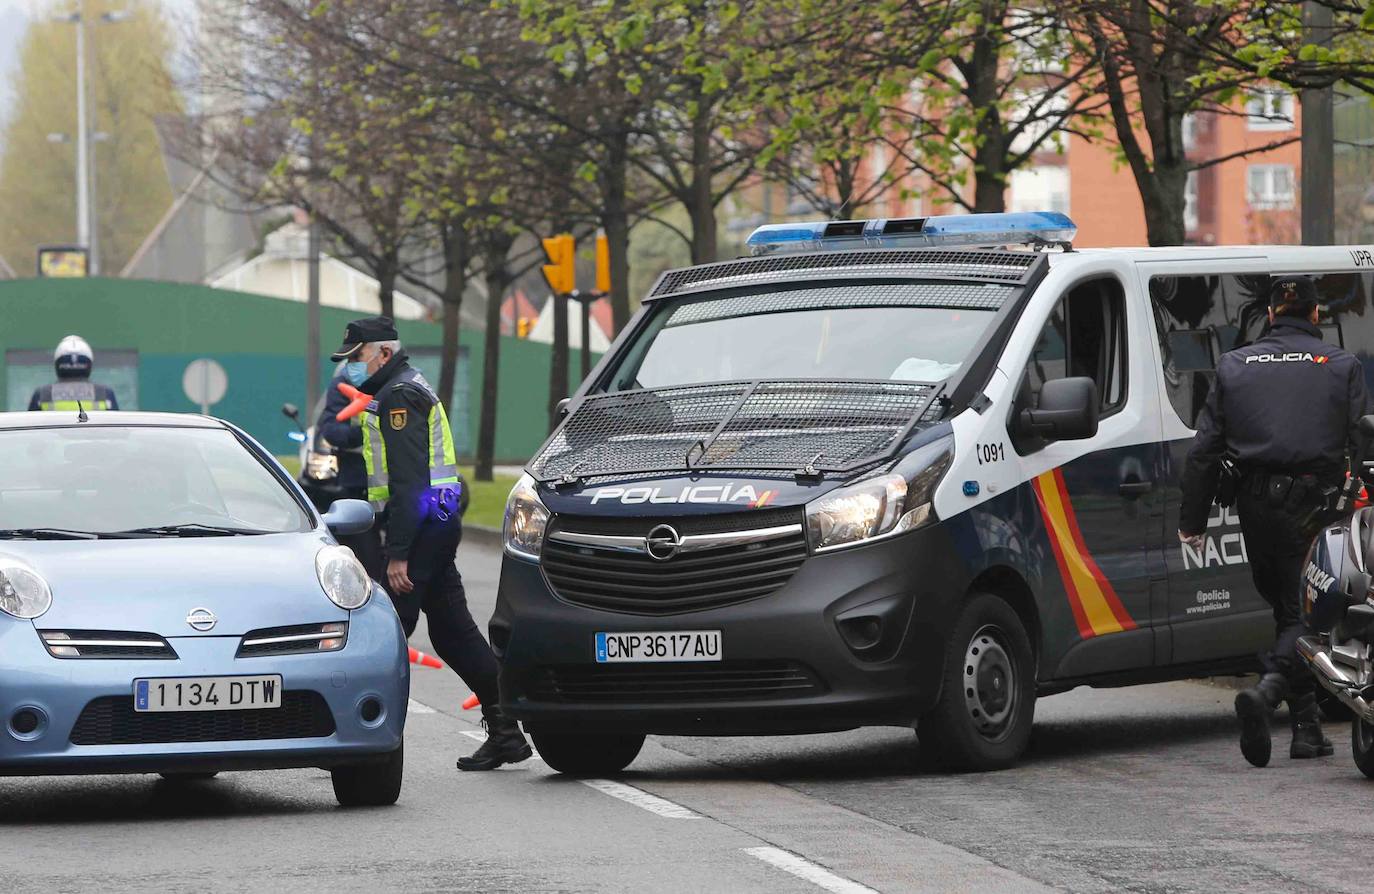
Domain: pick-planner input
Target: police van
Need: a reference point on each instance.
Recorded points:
(889, 472)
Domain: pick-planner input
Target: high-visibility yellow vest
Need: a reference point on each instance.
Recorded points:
(73, 396)
(443, 461)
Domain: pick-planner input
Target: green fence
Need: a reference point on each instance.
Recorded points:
(145, 333)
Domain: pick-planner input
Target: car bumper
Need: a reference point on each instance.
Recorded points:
(809, 631)
(373, 664)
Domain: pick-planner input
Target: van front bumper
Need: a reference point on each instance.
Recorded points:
(814, 638)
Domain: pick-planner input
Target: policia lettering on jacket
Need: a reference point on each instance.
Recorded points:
(413, 485)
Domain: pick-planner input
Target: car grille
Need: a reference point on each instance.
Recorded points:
(112, 720)
(613, 580)
(676, 683)
(297, 639)
(70, 644)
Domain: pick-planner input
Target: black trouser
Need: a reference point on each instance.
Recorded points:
(1279, 527)
(440, 595)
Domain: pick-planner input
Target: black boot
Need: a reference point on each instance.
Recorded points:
(1255, 708)
(505, 744)
(1308, 740)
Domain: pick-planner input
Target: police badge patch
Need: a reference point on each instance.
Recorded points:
(398, 419)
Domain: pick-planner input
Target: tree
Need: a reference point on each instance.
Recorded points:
(128, 89)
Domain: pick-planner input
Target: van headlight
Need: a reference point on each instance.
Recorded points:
(342, 577)
(879, 507)
(526, 519)
(23, 592)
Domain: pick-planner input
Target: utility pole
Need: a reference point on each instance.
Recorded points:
(83, 169)
(312, 318)
(1318, 140)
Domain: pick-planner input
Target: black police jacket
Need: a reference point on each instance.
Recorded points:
(345, 437)
(1288, 402)
(402, 407)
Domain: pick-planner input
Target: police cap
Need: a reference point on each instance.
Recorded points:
(365, 331)
(1293, 295)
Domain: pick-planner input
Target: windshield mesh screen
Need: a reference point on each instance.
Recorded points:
(801, 426)
(1012, 267)
(944, 295)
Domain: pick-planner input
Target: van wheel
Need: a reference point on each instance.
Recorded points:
(987, 696)
(1362, 746)
(578, 755)
(373, 784)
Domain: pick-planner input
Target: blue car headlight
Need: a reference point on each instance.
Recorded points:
(23, 592)
(342, 577)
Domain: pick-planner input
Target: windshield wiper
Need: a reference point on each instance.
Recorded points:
(189, 530)
(46, 534)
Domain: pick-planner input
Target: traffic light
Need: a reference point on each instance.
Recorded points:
(603, 263)
(560, 271)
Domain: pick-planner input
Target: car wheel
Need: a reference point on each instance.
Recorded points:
(987, 695)
(1362, 745)
(188, 777)
(373, 784)
(578, 755)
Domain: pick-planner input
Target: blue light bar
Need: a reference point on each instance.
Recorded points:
(1015, 228)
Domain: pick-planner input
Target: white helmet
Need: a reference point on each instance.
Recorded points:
(73, 358)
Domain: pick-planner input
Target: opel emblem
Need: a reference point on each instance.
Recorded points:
(662, 543)
(202, 619)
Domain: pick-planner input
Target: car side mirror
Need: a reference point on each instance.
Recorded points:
(348, 517)
(1067, 411)
(290, 411)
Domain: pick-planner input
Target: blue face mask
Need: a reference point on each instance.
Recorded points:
(356, 372)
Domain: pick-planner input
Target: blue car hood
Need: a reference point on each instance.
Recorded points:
(149, 586)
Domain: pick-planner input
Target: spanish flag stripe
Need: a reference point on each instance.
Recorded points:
(1096, 606)
(1105, 588)
(1084, 628)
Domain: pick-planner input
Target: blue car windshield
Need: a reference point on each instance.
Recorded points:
(105, 479)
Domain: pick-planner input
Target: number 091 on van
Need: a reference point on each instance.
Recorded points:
(911, 472)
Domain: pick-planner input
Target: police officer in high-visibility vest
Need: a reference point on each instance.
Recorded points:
(413, 484)
(73, 389)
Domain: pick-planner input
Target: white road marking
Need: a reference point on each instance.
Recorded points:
(627, 793)
(805, 869)
(639, 798)
(417, 708)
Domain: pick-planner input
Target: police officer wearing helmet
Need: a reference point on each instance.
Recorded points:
(412, 482)
(73, 389)
(1277, 424)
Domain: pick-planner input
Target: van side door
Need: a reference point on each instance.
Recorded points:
(1098, 499)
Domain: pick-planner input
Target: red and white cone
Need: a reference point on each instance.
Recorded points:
(420, 658)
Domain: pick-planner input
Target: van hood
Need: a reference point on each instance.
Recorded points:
(149, 586)
(681, 495)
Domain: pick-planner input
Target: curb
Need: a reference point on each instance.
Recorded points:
(483, 535)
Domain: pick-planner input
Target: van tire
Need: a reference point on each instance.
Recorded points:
(580, 755)
(986, 725)
(373, 784)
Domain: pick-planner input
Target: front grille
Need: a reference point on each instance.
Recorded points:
(673, 683)
(639, 584)
(72, 644)
(112, 720)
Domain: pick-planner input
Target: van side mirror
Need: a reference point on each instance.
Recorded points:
(1067, 411)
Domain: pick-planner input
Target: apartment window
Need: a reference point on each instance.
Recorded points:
(1190, 214)
(1271, 187)
(1039, 188)
(1269, 109)
(1190, 132)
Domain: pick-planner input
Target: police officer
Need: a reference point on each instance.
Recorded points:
(1283, 411)
(73, 389)
(412, 482)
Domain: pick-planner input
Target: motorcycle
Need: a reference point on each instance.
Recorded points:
(1338, 605)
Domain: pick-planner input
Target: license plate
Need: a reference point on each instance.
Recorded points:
(678, 645)
(207, 693)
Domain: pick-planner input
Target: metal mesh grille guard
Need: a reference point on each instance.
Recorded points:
(803, 426)
(1011, 267)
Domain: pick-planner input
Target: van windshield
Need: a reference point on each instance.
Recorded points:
(906, 332)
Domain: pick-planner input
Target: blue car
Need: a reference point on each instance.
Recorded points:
(171, 603)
